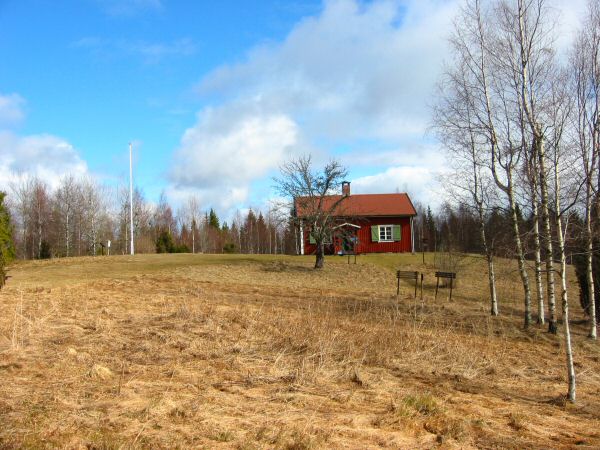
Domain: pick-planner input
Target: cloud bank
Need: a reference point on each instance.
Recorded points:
(356, 76)
(44, 156)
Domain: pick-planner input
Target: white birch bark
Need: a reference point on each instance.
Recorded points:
(571, 393)
(525, 41)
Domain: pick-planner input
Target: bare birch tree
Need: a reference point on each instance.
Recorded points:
(483, 54)
(65, 204)
(469, 182)
(528, 35)
(193, 212)
(585, 84)
(565, 197)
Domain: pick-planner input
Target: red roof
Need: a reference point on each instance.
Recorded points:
(365, 205)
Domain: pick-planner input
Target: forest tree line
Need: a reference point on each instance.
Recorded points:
(80, 216)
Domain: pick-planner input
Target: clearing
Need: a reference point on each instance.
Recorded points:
(239, 351)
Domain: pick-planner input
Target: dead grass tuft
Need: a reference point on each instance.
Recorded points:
(101, 372)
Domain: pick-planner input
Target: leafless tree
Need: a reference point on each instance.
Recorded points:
(512, 106)
(566, 192)
(481, 53)
(311, 198)
(469, 181)
(193, 213)
(528, 32)
(20, 198)
(585, 84)
(65, 200)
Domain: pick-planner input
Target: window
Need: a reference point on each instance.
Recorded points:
(385, 233)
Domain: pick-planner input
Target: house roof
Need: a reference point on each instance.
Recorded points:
(364, 205)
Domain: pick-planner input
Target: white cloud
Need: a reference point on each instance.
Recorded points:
(44, 156)
(568, 14)
(355, 71)
(228, 149)
(419, 182)
(11, 110)
(357, 80)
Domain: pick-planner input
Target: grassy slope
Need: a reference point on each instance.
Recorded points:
(262, 351)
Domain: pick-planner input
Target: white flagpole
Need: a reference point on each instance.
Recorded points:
(131, 199)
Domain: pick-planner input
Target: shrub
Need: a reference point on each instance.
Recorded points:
(45, 250)
(165, 244)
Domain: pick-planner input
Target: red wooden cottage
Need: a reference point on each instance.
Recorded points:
(364, 223)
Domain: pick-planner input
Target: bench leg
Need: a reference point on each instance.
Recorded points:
(437, 285)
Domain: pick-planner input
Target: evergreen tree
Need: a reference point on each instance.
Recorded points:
(164, 242)
(7, 249)
(213, 220)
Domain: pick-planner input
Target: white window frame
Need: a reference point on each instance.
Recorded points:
(385, 229)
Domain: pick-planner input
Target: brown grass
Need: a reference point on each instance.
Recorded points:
(263, 352)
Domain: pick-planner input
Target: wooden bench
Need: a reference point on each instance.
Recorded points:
(447, 275)
(408, 275)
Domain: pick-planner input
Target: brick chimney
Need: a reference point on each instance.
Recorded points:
(345, 188)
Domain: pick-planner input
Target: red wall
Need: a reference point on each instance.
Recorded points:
(365, 245)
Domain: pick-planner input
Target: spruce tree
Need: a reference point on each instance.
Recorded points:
(7, 249)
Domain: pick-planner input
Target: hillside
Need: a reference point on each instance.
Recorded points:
(211, 351)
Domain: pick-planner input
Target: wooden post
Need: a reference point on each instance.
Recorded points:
(416, 283)
(421, 287)
(446, 275)
(398, 289)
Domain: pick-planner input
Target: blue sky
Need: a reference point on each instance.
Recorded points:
(215, 95)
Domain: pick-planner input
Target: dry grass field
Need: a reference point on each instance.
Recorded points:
(211, 351)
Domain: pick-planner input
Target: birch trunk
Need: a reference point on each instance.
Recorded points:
(525, 40)
(490, 262)
(531, 166)
(67, 235)
(509, 191)
(547, 230)
(521, 258)
(538, 258)
(589, 261)
(571, 394)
